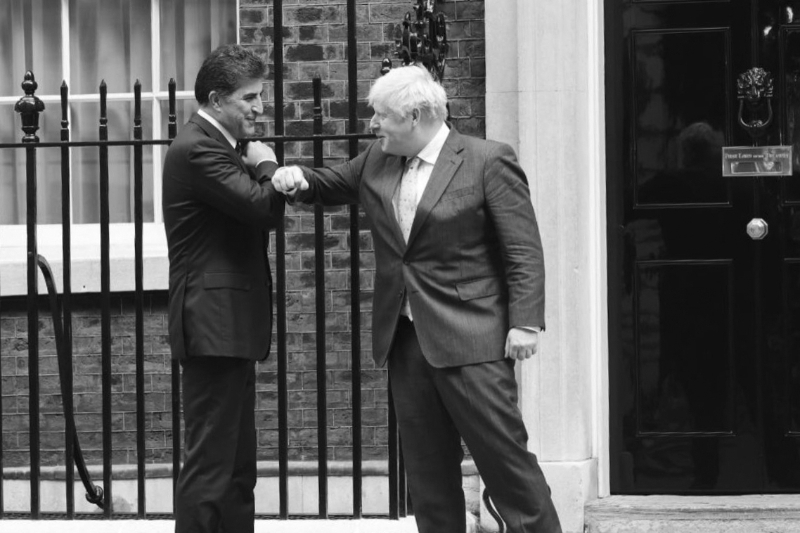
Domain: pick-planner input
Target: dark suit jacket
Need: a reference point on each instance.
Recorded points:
(473, 266)
(216, 215)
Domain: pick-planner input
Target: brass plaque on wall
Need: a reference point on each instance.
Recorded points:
(757, 161)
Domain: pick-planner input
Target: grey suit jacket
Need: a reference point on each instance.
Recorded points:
(216, 215)
(473, 266)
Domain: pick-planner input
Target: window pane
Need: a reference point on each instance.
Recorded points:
(86, 162)
(190, 29)
(183, 112)
(22, 49)
(13, 169)
(110, 41)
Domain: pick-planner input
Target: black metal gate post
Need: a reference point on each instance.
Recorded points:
(29, 107)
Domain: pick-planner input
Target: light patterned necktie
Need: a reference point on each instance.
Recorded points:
(407, 200)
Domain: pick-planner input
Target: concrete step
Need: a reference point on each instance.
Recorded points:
(694, 514)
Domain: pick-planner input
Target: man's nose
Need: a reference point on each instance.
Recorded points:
(373, 124)
(258, 107)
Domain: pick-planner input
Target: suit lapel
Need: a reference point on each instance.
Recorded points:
(214, 133)
(443, 171)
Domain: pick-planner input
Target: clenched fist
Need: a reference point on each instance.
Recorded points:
(288, 180)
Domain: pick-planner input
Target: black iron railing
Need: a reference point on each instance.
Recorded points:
(30, 109)
(61, 308)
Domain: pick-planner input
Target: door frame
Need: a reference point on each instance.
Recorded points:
(567, 431)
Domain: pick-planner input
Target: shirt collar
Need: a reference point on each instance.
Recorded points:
(219, 126)
(431, 152)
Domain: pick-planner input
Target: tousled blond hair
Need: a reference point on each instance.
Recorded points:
(403, 89)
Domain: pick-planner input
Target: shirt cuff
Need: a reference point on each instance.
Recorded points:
(268, 159)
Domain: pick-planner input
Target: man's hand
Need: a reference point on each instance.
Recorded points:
(521, 343)
(256, 152)
(288, 180)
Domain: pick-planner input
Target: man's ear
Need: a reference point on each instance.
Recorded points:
(214, 99)
(416, 115)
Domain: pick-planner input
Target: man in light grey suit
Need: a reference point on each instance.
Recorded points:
(459, 297)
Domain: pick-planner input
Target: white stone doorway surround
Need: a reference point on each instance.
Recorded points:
(545, 97)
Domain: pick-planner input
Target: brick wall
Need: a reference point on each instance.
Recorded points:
(87, 380)
(315, 44)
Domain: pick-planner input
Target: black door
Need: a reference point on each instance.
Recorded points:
(704, 319)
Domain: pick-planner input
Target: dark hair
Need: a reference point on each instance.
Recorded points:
(225, 69)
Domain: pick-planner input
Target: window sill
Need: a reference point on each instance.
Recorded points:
(85, 259)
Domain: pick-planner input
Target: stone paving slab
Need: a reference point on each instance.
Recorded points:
(404, 525)
(694, 514)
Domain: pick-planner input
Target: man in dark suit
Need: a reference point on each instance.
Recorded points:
(218, 206)
(459, 296)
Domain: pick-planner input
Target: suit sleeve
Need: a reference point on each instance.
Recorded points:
(336, 185)
(509, 204)
(219, 181)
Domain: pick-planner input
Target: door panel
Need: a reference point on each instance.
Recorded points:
(704, 321)
(679, 85)
(685, 362)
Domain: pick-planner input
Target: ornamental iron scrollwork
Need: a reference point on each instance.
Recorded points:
(754, 89)
(424, 39)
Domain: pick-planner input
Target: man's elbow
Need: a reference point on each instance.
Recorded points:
(263, 215)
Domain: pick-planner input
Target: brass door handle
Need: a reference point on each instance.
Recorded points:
(757, 229)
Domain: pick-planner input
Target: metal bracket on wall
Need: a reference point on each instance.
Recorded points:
(423, 39)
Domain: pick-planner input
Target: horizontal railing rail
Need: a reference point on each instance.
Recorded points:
(281, 139)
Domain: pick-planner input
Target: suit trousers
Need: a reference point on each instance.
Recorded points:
(215, 486)
(436, 408)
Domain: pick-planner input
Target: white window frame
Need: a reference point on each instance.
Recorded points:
(85, 238)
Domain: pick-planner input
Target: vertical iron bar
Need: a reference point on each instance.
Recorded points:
(105, 301)
(394, 467)
(355, 255)
(33, 326)
(139, 275)
(66, 238)
(2, 503)
(29, 107)
(280, 272)
(402, 488)
(172, 127)
(319, 274)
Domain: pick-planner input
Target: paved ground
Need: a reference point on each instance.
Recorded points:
(694, 514)
(404, 525)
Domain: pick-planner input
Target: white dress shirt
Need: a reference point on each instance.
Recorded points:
(230, 138)
(427, 157)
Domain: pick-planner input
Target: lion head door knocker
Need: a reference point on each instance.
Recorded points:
(754, 91)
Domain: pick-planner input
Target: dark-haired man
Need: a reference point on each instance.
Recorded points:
(218, 207)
